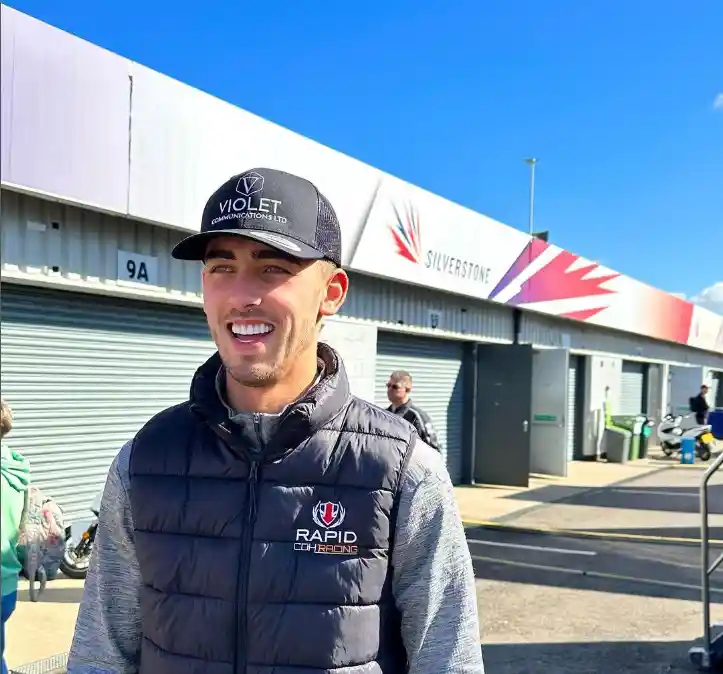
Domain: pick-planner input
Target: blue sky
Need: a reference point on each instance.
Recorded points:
(616, 99)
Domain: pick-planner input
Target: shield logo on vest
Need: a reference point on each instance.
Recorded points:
(328, 515)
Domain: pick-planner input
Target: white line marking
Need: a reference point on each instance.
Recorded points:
(585, 553)
(647, 492)
(596, 574)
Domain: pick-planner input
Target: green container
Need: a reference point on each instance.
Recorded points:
(644, 441)
(630, 423)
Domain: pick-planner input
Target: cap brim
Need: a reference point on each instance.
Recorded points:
(194, 247)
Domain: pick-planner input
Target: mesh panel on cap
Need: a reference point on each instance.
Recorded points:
(328, 234)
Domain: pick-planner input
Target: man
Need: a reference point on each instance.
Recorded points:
(399, 387)
(699, 405)
(274, 522)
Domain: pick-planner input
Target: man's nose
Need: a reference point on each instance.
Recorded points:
(246, 291)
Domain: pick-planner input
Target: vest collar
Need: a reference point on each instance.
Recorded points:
(276, 435)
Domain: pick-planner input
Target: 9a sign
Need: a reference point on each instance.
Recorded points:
(137, 268)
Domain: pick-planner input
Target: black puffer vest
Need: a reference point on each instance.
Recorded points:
(270, 562)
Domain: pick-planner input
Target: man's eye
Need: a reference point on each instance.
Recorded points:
(274, 269)
(222, 268)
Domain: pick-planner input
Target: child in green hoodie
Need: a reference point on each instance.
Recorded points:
(15, 472)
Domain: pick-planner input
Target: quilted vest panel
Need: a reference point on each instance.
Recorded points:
(280, 567)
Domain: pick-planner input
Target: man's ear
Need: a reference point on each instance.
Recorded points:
(337, 286)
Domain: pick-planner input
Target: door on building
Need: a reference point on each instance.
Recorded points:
(716, 390)
(504, 407)
(437, 385)
(83, 373)
(632, 389)
(654, 407)
(548, 428)
(575, 407)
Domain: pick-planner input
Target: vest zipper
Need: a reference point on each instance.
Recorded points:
(244, 571)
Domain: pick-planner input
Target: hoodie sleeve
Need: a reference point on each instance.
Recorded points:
(107, 637)
(433, 583)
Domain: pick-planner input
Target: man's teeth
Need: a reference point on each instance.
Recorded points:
(251, 329)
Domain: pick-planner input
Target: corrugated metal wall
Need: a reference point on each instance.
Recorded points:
(43, 239)
(437, 385)
(83, 373)
(547, 331)
(399, 306)
(53, 241)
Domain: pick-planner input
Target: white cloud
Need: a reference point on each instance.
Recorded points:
(711, 298)
(718, 102)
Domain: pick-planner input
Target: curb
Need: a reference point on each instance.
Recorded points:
(580, 490)
(582, 533)
(55, 664)
(505, 522)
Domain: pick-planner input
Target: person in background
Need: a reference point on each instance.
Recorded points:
(15, 480)
(399, 387)
(699, 405)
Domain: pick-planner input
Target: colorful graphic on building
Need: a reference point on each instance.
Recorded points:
(431, 242)
(406, 232)
(561, 278)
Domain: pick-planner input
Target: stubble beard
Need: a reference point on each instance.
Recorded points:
(265, 374)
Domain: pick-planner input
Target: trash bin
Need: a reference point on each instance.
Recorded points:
(616, 442)
(634, 426)
(715, 419)
(687, 450)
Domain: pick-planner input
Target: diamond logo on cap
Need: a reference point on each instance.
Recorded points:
(249, 184)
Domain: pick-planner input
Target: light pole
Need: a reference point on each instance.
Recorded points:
(532, 162)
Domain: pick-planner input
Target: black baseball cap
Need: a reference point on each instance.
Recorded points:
(276, 208)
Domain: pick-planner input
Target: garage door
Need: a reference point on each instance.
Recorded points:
(436, 369)
(83, 373)
(572, 411)
(631, 389)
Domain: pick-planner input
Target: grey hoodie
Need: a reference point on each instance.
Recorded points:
(433, 582)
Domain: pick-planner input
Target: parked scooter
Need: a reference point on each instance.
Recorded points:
(77, 554)
(671, 434)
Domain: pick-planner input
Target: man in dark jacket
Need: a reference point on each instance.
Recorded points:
(274, 522)
(399, 388)
(699, 405)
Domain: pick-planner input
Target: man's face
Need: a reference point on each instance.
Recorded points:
(704, 391)
(397, 391)
(263, 307)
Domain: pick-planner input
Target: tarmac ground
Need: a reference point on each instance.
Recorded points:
(605, 581)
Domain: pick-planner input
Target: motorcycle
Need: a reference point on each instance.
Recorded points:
(76, 557)
(671, 434)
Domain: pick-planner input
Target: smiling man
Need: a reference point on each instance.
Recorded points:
(274, 522)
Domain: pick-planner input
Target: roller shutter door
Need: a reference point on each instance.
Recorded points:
(83, 373)
(631, 389)
(436, 369)
(572, 408)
